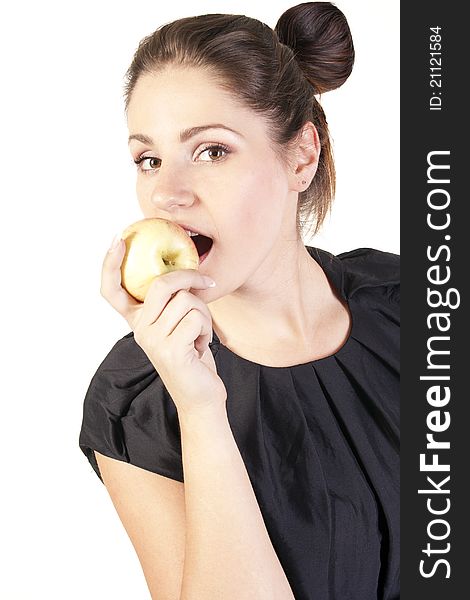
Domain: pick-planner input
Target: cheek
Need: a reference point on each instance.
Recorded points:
(143, 198)
(252, 209)
(263, 193)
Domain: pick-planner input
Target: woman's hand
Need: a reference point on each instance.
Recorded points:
(174, 328)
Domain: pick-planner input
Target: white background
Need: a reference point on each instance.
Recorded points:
(67, 186)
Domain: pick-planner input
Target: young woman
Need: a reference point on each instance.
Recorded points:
(247, 432)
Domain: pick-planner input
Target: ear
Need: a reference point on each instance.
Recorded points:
(305, 156)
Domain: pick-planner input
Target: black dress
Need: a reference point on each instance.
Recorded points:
(320, 440)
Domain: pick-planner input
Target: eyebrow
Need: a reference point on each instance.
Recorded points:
(185, 135)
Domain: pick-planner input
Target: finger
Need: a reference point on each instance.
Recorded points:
(176, 309)
(201, 344)
(165, 287)
(193, 326)
(111, 288)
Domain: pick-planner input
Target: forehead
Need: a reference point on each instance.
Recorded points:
(178, 97)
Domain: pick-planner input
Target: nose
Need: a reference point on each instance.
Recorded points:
(170, 190)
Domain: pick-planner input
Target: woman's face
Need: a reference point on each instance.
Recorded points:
(210, 165)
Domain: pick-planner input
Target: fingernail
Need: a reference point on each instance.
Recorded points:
(115, 242)
(208, 281)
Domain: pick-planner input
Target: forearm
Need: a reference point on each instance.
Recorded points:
(228, 551)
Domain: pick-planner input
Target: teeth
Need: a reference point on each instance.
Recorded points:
(191, 233)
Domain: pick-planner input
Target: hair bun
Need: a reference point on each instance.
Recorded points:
(319, 35)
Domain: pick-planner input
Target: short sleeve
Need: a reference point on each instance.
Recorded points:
(129, 415)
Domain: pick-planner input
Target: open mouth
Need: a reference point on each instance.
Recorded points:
(203, 245)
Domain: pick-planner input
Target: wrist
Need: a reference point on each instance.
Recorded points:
(212, 415)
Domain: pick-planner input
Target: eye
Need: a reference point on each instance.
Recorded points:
(214, 153)
(152, 164)
(210, 153)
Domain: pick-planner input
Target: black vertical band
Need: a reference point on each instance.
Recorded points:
(435, 319)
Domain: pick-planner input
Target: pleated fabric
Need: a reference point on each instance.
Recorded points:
(320, 440)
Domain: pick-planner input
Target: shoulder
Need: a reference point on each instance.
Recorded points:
(124, 375)
(125, 353)
(371, 274)
(367, 276)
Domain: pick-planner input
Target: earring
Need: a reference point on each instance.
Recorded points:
(304, 182)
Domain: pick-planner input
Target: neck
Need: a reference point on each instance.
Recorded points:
(283, 302)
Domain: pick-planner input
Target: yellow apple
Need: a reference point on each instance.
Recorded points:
(154, 247)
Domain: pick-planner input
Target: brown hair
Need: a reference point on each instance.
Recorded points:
(275, 72)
